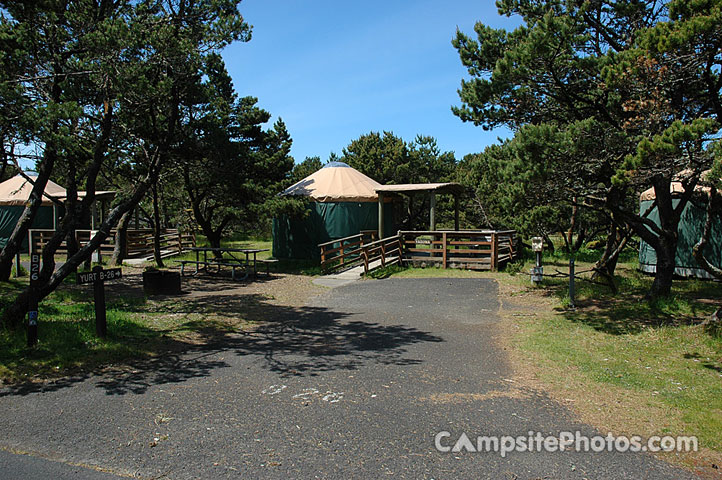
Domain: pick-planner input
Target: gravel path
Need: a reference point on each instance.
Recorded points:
(355, 385)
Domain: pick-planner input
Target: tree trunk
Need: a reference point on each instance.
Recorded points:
(572, 227)
(549, 243)
(662, 285)
(661, 237)
(607, 264)
(121, 239)
(581, 238)
(156, 228)
(214, 240)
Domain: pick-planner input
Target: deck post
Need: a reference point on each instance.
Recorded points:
(432, 212)
(381, 215)
(456, 213)
(443, 245)
(93, 213)
(494, 252)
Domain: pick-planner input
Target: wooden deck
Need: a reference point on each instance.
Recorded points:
(464, 249)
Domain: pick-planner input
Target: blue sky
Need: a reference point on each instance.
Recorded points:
(335, 70)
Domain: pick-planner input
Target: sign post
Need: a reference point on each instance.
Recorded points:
(537, 272)
(98, 277)
(33, 299)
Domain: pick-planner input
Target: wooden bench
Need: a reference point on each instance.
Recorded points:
(267, 262)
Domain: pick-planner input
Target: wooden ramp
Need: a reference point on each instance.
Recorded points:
(464, 249)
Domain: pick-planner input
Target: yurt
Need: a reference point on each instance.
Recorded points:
(14, 194)
(689, 232)
(341, 202)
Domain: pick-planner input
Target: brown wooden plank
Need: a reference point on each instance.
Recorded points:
(469, 250)
(469, 242)
(426, 250)
(469, 260)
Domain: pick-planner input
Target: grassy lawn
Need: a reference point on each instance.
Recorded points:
(298, 267)
(623, 364)
(137, 328)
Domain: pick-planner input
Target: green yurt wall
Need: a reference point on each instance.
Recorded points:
(690, 230)
(299, 237)
(9, 216)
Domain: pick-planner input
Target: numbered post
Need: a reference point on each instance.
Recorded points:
(101, 322)
(33, 299)
(98, 277)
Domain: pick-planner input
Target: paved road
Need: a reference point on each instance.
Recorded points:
(356, 385)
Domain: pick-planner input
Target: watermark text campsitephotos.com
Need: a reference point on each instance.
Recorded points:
(571, 441)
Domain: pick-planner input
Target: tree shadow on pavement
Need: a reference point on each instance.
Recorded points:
(291, 341)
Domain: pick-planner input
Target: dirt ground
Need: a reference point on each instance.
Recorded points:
(203, 288)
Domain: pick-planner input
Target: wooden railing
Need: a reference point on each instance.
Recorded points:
(387, 251)
(172, 241)
(344, 252)
(139, 242)
(469, 249)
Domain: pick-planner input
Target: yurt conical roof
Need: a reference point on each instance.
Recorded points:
(336, 182)
(675, 187)
(16, 191)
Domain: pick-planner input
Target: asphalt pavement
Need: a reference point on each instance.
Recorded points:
(356, 385)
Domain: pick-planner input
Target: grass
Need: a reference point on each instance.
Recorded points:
(668, 367)
(137, 329)
(297, 267)
(625, 365)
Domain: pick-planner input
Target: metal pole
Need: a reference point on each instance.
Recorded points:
(381, 215)
(432, 213)
(456, 213)
(571, 283)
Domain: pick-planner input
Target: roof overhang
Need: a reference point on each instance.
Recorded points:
(411, 188)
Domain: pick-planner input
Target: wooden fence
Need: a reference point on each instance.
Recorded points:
(345, 252)
(467, 249)
(139, 242)
(387, 251)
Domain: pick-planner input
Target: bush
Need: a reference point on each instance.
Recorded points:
(23, 272)
(595, 245)
(512, 268)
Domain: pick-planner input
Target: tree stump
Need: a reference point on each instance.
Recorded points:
(160, 282)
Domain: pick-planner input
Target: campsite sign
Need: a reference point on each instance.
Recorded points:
(98, 277)
(33, 300)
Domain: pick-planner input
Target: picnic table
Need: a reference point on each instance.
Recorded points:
(232, 260)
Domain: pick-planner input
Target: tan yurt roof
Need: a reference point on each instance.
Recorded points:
(16, 191)
(675, 188)
(336, 182)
